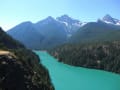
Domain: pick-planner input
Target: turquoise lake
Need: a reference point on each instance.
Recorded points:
(66, 77)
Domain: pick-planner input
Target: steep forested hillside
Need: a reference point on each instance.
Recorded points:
(96, 31)
(8, 42)
(101, 55)
(20, 69)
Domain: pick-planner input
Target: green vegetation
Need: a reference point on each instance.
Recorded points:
(8, 42)
(99, 55)
(96, 31)
(22, 72)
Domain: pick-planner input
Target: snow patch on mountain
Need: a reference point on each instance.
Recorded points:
(110, 20)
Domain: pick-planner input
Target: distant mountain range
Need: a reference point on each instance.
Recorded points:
(95, 32)
(52, 32)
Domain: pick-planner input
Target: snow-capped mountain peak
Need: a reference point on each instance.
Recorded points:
(110, 20)
(107, 17)
(66, 18)
(70, 24)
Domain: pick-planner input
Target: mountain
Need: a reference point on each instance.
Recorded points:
(66, 23)
(43, 34)
(20, 68)
(51, 32)
(96, 31)
(7, 41)
(72, 25)
(25, 33)
(110, 20)
(47, 33)
(94, 45)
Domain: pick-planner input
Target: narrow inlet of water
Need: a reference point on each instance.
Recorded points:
(66, 77)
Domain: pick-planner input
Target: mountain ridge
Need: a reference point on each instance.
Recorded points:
(105, 18)
(51, 32)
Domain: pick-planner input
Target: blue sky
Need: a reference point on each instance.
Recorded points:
(13, 12)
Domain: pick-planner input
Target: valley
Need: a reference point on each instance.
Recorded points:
(59, 45)
(67, 77)
(91, 44)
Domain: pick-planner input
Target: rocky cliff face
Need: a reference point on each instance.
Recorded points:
(16, 74)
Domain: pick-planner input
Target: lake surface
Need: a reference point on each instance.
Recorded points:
(66, 77)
